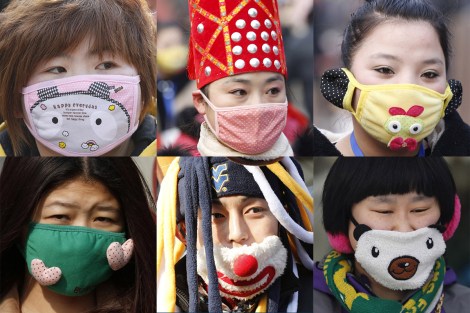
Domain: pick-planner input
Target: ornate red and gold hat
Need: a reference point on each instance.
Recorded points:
(230, 37)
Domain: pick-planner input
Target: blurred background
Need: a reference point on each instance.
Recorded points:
(330, 20)
(178, 121)
(458, 247)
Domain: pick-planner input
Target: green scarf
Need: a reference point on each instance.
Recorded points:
(337, 266)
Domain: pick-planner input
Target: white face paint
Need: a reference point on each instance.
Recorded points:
(246, 271)
(400, 260)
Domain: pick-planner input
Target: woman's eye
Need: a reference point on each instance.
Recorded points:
(238, 92)
(59, 217)
(384, 212)
(57, 70)
(430, 75)
(274, 91)
(106, 66)
(103, 219)
(419, 210)
(384, 70)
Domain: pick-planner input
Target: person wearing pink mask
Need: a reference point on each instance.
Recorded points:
(77, 78)
(237, 59)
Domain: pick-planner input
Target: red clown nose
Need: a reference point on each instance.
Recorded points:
(245, 265)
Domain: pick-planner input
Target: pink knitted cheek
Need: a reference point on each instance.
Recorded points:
(340, 243)
(454, 222)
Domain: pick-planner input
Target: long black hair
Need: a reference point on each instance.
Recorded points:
(24, 182)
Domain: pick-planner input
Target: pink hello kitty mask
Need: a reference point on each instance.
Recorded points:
(85, 115)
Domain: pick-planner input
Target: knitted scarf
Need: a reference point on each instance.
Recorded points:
(337, 266)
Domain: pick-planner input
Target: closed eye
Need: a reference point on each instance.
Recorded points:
(383, 212)
(420, 210)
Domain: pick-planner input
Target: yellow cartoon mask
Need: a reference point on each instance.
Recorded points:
(399, 115)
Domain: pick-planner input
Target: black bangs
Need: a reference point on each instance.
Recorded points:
(351, 180)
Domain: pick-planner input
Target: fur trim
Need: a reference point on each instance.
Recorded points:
(270, 254)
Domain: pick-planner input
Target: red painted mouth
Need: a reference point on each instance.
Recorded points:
(268, 271)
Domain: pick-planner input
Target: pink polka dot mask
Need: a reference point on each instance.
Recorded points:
(249, 129)
(72, 260)
(245, 271)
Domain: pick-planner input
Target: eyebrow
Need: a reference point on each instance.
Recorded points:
(395, 58)
(76, 206)
(384, 199)
(248, 82)
(93, 52)
(433, 61)
(392, 199)
(67, 205)
(385, 56)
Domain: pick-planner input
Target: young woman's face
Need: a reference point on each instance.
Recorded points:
(242, 89)
(238, 221)
(403, 213)
(83, 61)
(81, 203)
(401, 52)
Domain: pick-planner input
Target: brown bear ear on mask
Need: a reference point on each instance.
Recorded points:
(334, 84)
(456, 101)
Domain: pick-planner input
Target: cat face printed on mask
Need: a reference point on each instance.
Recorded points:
(398, 260)
(81, 116)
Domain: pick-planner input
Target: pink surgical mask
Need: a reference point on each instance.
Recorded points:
(86, 115)
(250, 129)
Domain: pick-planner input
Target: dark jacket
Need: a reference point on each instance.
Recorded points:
(456, 296)
(145, 135)
(455, 141)
(289, 284)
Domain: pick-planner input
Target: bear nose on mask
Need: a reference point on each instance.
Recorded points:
(245, 265)
(403, 268)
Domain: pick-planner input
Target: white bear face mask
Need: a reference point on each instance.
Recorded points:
(399, 260)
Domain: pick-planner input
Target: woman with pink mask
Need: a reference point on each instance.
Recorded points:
(237, 59)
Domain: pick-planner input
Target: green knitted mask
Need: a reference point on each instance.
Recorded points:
(73, 260)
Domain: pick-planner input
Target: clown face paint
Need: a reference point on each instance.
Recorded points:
(246, 271)
(399, 260)
(85, 115)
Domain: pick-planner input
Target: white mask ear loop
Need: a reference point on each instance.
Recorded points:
(292, 169)
(294, 302)
(276, 206)
(281, 215)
